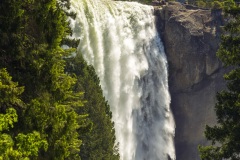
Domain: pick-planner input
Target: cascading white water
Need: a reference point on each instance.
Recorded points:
(120, 40)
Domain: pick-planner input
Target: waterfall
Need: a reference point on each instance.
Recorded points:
(121, 42)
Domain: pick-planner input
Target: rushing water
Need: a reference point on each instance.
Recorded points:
(120, 40)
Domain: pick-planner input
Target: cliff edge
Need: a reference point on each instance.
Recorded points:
(191, 37)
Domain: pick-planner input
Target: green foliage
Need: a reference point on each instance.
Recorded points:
(24, 145)
(228, 4)
(45, 117)
(140, 1)
(21, 146)
(28, 145)
(100, 142)
(9, 91)
(58, 122)
(8, 119)
(201, 4)
(230, 45)
(46, 106)
(225, 135)
(213, 4)
(216, 5)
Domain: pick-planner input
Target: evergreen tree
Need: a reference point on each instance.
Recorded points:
(22, 146)
(30, 49)
(44, 119)
(225, 135)
(100, 142)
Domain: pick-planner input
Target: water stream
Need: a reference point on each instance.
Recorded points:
(120, 40)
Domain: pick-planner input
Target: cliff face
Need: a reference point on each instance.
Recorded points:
(191, 38)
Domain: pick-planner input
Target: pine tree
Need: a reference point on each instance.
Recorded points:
(225, 135)
(21, 146)
(46, 117)
(100, 142)
(30, 50)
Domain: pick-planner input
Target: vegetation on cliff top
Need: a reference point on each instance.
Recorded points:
(42, 110)
(225, 135)
(212, 4)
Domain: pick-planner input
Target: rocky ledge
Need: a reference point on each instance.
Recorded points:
(191, 37)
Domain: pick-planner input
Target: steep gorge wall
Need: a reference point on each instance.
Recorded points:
(191, 37)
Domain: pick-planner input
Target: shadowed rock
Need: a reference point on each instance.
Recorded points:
(191, 38)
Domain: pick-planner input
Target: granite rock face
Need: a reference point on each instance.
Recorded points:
(191, 37)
